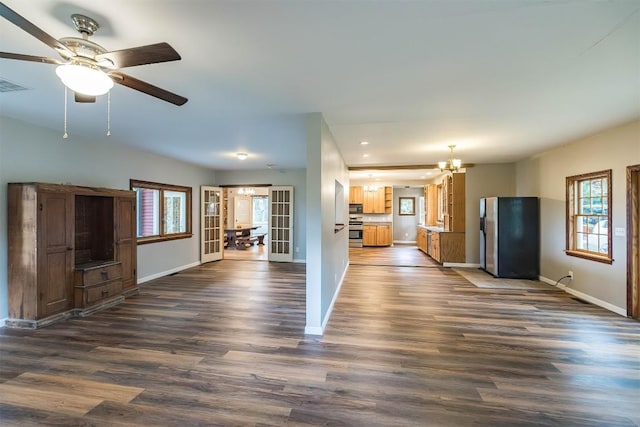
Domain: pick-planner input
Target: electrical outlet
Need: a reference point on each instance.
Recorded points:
(570, 274)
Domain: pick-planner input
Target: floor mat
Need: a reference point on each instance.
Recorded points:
(482, 279)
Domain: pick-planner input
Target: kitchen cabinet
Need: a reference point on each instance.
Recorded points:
(442, 246)
(453, 188)
(434, 246)
(431, 204)
(376, 235)
(421, 240)
(378, 200)
(356, 195)
(72, 251)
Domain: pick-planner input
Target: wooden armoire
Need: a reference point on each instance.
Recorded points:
(72, 251)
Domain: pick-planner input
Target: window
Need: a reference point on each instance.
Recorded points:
(407, 206)
(260, 213)
(589, 216)
(163, 211)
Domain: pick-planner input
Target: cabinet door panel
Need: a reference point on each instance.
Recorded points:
(383, 235)
(55, 278)
(126, 244)
(369, 235)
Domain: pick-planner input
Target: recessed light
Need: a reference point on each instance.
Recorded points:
(365, 155)
(242, 156)
(364, 142)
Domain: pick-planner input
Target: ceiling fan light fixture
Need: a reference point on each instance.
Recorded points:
(84, 79)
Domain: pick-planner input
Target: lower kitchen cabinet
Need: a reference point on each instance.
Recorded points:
(442, 246)
(376, 235)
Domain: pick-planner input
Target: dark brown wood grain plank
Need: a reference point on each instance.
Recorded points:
(405, 346)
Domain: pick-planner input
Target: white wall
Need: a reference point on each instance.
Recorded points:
(295, 177)
(33, 154)
(545, 175)
(327, 251)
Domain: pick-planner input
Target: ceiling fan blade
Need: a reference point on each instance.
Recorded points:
(21, 57)
(79, 97)
(150, 54)
(16, 19)
(144, 87)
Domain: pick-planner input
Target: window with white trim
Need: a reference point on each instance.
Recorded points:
(589, 216)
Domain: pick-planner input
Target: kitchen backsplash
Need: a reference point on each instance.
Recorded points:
(377, 218)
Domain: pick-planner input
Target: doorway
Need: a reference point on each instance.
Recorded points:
(633, 241)
(247, 208)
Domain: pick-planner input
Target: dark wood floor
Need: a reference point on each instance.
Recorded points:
(405, 346)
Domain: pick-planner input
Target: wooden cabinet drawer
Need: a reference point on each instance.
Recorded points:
(98, 274)
(98, 293)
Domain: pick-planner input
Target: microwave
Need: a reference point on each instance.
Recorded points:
(355, 208)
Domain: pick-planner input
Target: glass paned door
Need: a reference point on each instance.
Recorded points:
(211, 233)
(281, 223)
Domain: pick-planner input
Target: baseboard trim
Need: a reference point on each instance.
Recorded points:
(461, 264)
(586, 297)
(167, 272)
(313, 330)
(319, 330)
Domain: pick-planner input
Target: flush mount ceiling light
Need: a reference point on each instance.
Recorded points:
(242, 156)
(84, 78)
(451, 165)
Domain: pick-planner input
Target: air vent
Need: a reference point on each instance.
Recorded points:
(7, 86)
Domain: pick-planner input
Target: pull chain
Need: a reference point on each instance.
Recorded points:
(109, 113)
(66, 135)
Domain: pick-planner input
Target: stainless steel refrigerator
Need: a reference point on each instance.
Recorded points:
(510, 237)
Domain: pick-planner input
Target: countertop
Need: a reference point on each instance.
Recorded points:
(433, 228)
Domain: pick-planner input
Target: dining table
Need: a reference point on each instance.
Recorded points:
(239, 237)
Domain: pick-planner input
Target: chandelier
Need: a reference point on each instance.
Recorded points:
(451, 165)
(246, 191)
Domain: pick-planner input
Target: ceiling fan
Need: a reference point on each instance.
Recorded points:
(83, 59)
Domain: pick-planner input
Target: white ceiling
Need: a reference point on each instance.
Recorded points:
(500, 79)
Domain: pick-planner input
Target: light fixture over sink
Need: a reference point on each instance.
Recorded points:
(451, 165)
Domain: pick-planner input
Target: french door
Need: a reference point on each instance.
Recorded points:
(211, 232)
(281, 223)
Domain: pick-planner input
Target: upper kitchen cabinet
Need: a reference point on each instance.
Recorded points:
(431, 204)
(378, 200)
(356, 195)
(453, 206)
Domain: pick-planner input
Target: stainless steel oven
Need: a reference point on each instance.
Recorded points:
(355, 235)
(355, 232)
